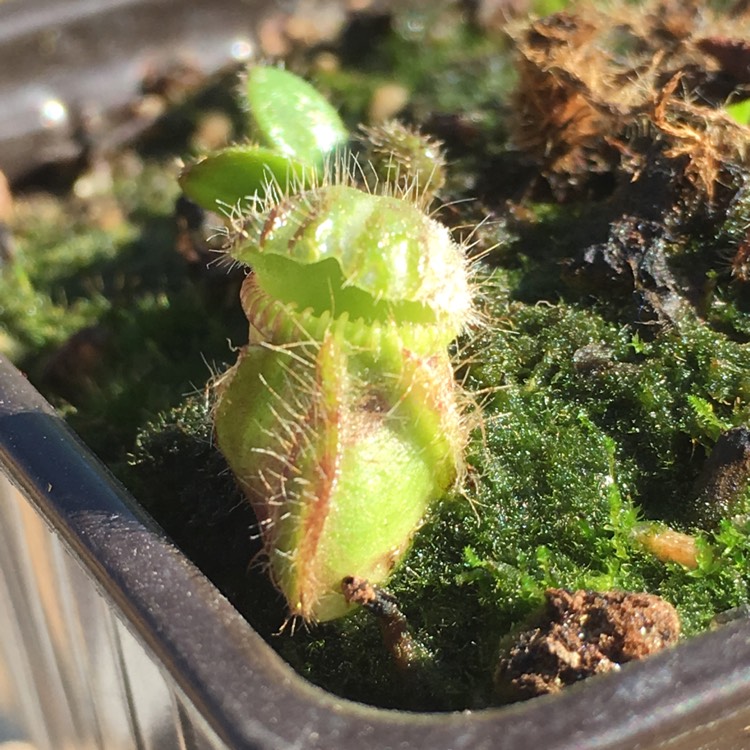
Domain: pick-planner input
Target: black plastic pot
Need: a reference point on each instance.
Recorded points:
(110, 638)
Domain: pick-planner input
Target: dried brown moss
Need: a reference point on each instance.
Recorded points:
(602, 90)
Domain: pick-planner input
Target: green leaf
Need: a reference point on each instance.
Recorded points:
(740, 111)
(709, 426)
(290, 117)
(227, 177)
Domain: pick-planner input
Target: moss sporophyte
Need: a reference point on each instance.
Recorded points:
(341, 419)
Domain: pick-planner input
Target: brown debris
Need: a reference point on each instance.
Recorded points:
(634, 261)
(706, 140)
(740, 263)
(721, 486)
(71, 369)
(557, 119)
(406, 651)
(387, 101)
(605, 89)
(584, 633)
(7, 244)
(732, 55)
(6, 200)
(492, 15)
(669, 545)
(360, 591)
(174, 81)
(312, 22)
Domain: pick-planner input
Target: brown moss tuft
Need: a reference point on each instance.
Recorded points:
(605, 91)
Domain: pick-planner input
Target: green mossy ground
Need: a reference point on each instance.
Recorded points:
(151, 328)
(594, 422)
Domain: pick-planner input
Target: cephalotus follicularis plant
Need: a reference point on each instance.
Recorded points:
(341, 419)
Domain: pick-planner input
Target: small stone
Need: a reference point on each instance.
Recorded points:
(272, 38)
(6, 200)
(387, 101)
(213, 131)
(315, 22)
(326, 62)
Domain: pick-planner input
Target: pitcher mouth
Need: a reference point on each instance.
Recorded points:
(273, 320)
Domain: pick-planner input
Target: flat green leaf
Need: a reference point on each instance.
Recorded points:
(228, 177)
(740, 111)
(289, 116)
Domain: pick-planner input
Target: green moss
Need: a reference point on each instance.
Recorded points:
(46, 294)
(144, 327)
(588, 428)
